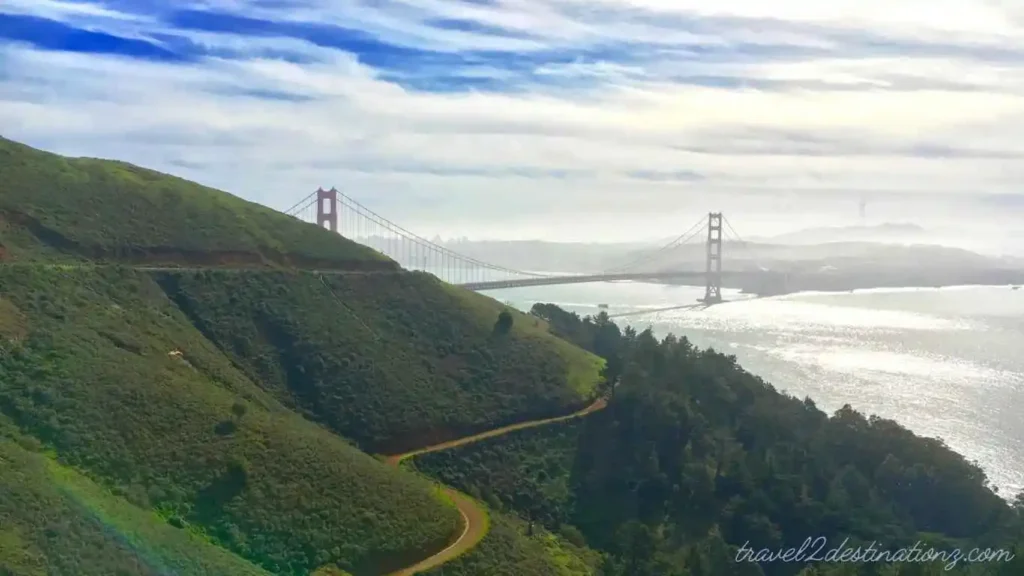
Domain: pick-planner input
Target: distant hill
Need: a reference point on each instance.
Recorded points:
(778, 256)
(879, 233)
(885, 245)
(234, 407)
(542, 255)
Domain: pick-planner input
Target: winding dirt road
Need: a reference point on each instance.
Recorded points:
(474, 517)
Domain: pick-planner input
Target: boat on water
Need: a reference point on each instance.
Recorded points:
(602, 306)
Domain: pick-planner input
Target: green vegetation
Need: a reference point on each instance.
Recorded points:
(52, 207)
(392, 361)
(585, 370)
(528, 471)
(330, 571)
(509, 549)
(199, 421)
(55, 521)
(107, 373)
(695, 457)
(176, 407)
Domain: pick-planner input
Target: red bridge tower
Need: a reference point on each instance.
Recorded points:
(327, 208)
(713, 286)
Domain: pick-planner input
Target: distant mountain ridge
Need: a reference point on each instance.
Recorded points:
(903, 244)
(885, 232)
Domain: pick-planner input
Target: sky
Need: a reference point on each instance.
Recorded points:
(556, 119)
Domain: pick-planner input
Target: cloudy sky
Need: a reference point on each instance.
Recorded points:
(540, 118)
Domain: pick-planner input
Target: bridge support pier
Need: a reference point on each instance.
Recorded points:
(327, 208)
(713, 273)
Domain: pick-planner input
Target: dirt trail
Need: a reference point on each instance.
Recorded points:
(474, 517)
(396, 460)
(475, 525)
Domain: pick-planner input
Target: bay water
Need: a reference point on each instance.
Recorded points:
(946, 363)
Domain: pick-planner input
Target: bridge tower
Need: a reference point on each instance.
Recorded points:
(327, 208)
(713, 275)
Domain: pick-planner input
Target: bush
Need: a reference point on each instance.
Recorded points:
(572, 535)
(504, 323)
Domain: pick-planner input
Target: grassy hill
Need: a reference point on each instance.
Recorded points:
(394, 362)
(214, 416)
(103, 369)
(389, 360)
(52, 207)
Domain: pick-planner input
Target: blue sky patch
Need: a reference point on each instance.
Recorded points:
(51, 35)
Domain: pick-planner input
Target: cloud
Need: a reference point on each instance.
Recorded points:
(512, 116)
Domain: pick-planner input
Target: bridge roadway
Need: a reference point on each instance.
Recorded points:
(589, 278)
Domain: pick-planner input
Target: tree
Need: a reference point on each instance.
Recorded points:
(504, 323)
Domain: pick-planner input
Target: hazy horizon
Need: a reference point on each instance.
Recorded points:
(774, 228)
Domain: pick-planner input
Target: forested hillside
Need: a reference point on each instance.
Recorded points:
(695, 457)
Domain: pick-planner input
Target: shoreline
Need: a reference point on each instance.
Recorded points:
(883, 289)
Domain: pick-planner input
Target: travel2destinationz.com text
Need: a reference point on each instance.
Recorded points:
(815, 550)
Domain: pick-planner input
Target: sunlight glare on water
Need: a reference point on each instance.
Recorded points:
(946, 363)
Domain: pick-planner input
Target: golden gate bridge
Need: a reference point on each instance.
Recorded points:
(341, 213)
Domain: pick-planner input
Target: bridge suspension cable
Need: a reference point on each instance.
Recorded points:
(691, 233)
(343, 214)
(301, 206)
(731, 230)
(739, 243)
(358, 223)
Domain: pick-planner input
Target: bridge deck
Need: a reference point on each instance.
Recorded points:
(590, 278)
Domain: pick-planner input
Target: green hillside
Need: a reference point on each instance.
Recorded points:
(52, 207)
(393, 362)
(103, 369)
(203, 420)
(390, 360)
(53, 520)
